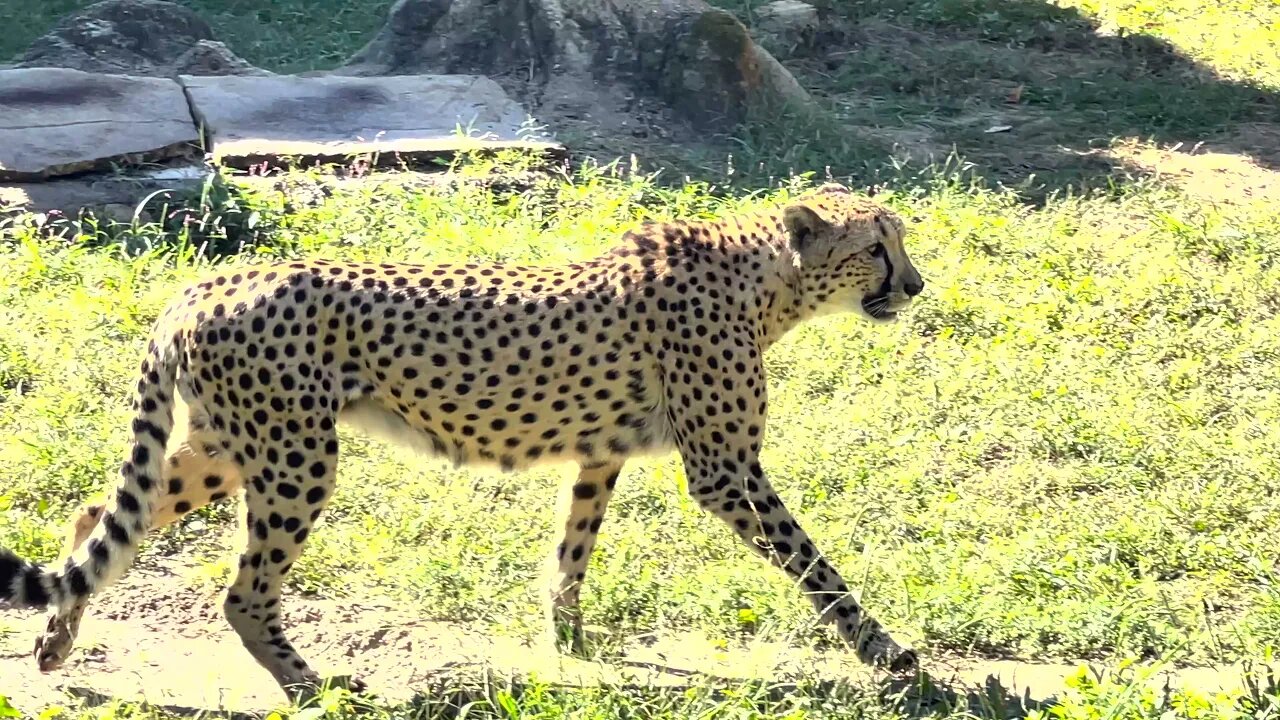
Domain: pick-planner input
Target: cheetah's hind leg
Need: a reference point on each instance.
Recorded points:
(194, 475)
(585, 506)
(61, 628)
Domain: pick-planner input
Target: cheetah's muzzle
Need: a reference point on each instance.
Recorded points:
(877, 306)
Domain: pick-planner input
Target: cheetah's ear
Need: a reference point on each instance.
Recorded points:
(833, 188)
(802, 223)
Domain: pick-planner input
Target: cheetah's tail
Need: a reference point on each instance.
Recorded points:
(110, 550)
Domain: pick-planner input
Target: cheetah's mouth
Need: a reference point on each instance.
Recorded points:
(877, 304)
(877, 307)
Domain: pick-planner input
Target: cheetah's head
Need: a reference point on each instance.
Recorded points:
(850, 254)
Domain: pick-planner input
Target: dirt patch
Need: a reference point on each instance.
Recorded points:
(158, 636)
(1204, 171)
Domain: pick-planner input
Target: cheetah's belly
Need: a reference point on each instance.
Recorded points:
(519, 425)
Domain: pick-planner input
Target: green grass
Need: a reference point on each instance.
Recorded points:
(931, 76)
(1069, 449)
(281, 35)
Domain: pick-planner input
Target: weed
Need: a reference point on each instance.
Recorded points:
(1067, 450)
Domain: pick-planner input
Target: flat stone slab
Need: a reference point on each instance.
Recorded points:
(252, 119)
(57, 121)
(112, 195)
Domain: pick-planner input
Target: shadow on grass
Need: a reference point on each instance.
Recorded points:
(702, 696)
(1031, 95)
(93, 698)
(711, 696)
(1019, 93)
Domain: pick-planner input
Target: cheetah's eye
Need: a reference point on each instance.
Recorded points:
(877, 250)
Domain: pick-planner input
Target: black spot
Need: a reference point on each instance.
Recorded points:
(585, 491)
(98, 550)
(115, 530)
(32, 587)
(77, 582)
(10, 566)
(128, 502)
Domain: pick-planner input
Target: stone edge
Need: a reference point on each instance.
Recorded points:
(241, 154)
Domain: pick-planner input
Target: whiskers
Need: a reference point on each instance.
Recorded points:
(877, 307)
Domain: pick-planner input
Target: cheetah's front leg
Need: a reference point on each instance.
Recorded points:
(587, 501)
(721, 459)
(748, 504)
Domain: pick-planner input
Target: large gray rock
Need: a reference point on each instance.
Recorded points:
(55, 121)
(135, 37)
(588, 56)
(787, 23)
(251, 119)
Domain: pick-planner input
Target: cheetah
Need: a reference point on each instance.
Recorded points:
(656, 345)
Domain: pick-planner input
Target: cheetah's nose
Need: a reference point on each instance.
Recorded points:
(913, 288)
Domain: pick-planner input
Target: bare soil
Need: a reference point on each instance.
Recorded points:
(1204, 171)
(158, 636)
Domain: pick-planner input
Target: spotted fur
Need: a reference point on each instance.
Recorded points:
(656, 345)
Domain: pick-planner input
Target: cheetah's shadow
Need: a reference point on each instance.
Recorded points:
(912, 697)
(922, 695)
